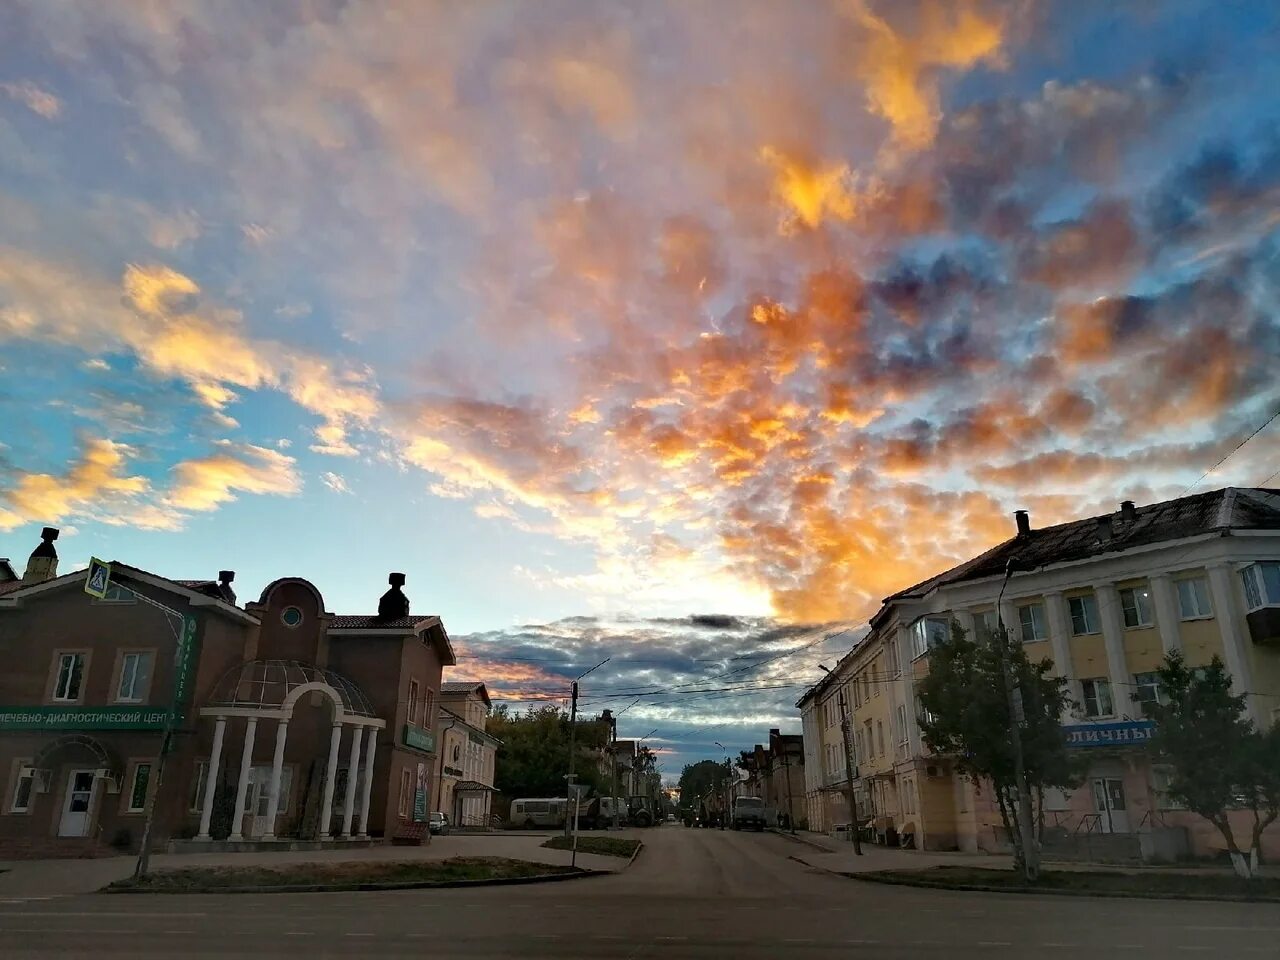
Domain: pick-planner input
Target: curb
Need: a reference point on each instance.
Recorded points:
(888, 879)
(796, 838)
(634, 854)
(370, 886)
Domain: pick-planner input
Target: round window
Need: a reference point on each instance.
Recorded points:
(291, 616)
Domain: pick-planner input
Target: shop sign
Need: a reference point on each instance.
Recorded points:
(419, 739)
(83, 718)
(1122, 733)
(184, 666)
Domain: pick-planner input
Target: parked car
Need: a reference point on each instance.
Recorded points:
(748, 813)
(438, 823)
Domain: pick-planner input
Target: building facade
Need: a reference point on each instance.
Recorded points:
(776, 774)
(466, 755)
(1104, 600)
(286, 721)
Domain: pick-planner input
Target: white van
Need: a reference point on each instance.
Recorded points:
(538, 813)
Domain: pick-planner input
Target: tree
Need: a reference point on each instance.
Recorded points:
(697, 778)
(534, 757)
(1219, 760)
(966, 717)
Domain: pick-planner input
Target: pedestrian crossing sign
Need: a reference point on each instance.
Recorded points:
(99, 578)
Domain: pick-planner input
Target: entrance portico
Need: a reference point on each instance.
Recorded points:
(270, 690)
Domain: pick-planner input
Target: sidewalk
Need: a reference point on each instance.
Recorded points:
(46, 878)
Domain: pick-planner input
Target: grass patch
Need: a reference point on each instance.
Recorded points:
(360, 872)
(606, 846)
(1148, 883)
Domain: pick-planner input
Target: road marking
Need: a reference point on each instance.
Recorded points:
(93, 913)
(862, 942)
(299, 933)
(1065, 945)
(1190, 948)
(994, 943)
(799, 940)
(1235, 929)
(671, 939)
(177, 933)
(359, 934)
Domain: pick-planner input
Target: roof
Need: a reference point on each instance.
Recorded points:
(1214, 512)
(465, 687)
(10, 585)
(372, 621)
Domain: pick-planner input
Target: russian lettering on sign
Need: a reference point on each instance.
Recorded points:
(1122, 733)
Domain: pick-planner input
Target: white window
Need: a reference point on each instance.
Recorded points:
(1136, 604)
(908, 796)
(413, 701)
(1193, 599)
(866, 685)
(135, 677)
(880, 738)
(857, 693)
(1097, 697)
(195, 802)
(70, 677)
(879, 684)
(24, 786)
(1031, 622)
(926, 633)
(405, 801)
(1084, 615)
(1261, 585)
(1161, 776)
(428, 708)
(902, 726)
(892, 648)
(1146, 689)
(984, 625)
(1055, 798)
(139, 785)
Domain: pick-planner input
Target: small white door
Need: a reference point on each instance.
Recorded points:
(78, 805)
(1109, 802)
(258, 798)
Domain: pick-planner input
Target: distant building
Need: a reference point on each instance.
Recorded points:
(293, 724)
(1104, 599)
(466, 754)
(775, 774)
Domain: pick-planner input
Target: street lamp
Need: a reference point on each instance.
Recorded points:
(850, 769)
(573, 730)
(724, 815)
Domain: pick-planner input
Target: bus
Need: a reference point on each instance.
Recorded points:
(538, 813)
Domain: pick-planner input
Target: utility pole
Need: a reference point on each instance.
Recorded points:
(573, 730)
(849, 769)
(1030, 853)
(791, 804)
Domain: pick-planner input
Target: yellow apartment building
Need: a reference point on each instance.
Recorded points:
(1104, 599)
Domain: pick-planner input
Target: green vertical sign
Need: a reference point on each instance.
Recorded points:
(184, 667)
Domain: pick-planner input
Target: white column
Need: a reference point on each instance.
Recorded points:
(1222, 583)
(277, 766)
(330, 772)
(353, 774)
(906, 695)
(1167, 616)
(1113, 636)
(211, 778)
(366, 779)
(965, 619)
(242, 788)
(1055, 609)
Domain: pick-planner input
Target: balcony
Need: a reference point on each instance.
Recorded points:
(1264, 625)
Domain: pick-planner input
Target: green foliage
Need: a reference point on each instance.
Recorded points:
(534, 757)
(697, 778)
(966, 718)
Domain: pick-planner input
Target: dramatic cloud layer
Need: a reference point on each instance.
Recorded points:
(735, 305)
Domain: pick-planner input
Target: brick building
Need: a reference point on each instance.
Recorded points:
(292, 723)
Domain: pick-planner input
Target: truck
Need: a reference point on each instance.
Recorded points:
(597, 813)
(748, 813)
(642, 814)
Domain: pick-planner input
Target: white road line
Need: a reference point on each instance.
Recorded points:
(93, 913)
(359, 934)
(1068, 946)
(862, 942)
(994, 943)
(1194, 949)
(177, 933)
(299, 933)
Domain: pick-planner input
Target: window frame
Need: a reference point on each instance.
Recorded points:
(1086, 601)
(1194, 583)
(1084, 697)
(880, 738)
(200, 775)
(16, 779)
(1254, 575)
(1139, 607)
(404, 802)
(1146, 680)
(413, 701)
(985, 624)
(85, 656)
(1042, 625)
(130, 786)
(922, 639)
(122, 658)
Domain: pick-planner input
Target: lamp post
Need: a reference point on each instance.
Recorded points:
(724, 814)
(850, 769)
(1030, 855)
(573, 728)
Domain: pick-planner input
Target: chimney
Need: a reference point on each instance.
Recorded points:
(43, 562)
(1104, 527)
(1023, 519)
(394, 604)
(225, 577)
(1128, 512)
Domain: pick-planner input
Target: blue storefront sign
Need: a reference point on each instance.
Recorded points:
(1120, 733)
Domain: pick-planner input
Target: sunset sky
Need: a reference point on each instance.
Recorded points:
(592, 316)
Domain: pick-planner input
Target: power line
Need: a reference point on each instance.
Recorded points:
(1271, 419)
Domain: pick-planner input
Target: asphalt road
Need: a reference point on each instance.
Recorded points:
(691, 894)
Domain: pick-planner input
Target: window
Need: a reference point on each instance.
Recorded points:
(1031, 622)
(1261, 585)
(428, 707)
(1146, 689)
(1055, 798)
(135, 678)
(24, 786)
(984, 625)
(1084, 614)
(866, 685)
(195, 802)
(880, 738)
(857, 694)
(70, 676)
(413, 701)
(138, 786)
(892, 649)
(405, 801)
(291, 616)
(1193, 599)
(1161, 778)
(908, 796)
(926, 633)
(879, 684)
(1097, 697)
(1136, 604)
